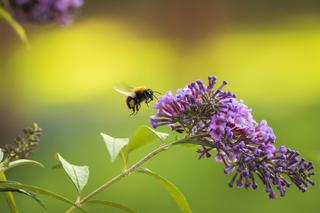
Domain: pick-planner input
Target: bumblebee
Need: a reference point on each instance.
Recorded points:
(137, 95)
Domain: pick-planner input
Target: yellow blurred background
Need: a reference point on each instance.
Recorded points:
(268, 51)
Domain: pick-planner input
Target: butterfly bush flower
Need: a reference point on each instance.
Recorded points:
(246, 147)
(45, 11)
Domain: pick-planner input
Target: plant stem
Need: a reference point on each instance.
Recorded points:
(132, 169)
(15, 26)
(9, 196)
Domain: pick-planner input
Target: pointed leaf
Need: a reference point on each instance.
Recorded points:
(113, 204)
(1, 155)
(145, 135)
(78, 174)
(171, 188)
(114, 145)
(22, 162)
(9, 196)
(15, 26)
(27, 193)
(38, 190)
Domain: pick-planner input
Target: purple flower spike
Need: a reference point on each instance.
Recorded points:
(226, 125)
(45, 11)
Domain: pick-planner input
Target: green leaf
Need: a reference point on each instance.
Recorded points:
(114, 145)
(1, 155)
(15, 26)
(39, 190)
(22, 162)
(9, 196)
(78, 174)
(171, 188)
(124, 157)
(144, 135)
(113, 204)
(27, 193)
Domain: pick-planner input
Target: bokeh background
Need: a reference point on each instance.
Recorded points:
(268, 51)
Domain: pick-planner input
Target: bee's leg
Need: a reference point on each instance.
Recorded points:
(133, 111)
(148, 100)
(137, 108)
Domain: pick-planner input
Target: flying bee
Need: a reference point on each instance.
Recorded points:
(137, 95)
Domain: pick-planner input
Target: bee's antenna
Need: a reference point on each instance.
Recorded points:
(157, 92)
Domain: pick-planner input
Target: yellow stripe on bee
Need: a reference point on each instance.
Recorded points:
(139, 89)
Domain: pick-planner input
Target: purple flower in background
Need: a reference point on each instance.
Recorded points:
(226, 125)
(45, 11)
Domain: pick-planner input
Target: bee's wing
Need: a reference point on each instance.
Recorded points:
(125, 86)
(125, 92)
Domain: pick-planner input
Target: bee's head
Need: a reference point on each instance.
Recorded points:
(149, 94)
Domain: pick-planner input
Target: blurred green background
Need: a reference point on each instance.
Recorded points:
(268, 51)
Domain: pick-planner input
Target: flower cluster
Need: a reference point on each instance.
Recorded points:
(226, 125)
(45, 11)
(25, 144)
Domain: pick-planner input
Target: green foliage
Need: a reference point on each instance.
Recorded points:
(27, 193)
(38, 190)
(113, 204)
(5, 165)
(15, 26)
(114, 145)
(22, 162)
(171, 188)
(78, 174)
(144, 135)
(9, 196)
